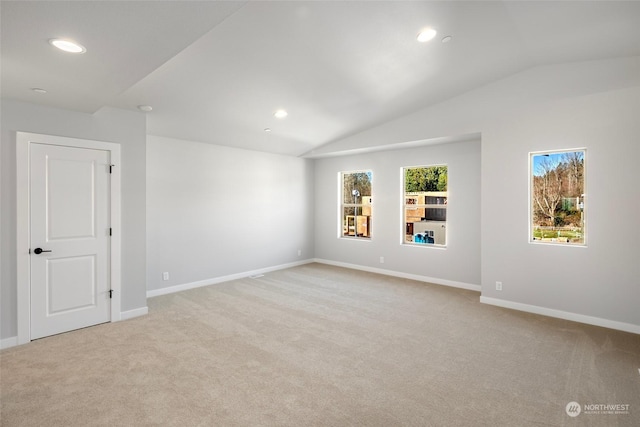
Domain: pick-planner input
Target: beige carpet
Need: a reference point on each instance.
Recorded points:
(323, 346)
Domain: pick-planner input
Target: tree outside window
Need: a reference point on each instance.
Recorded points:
(558, 197)
(425, 205)
(356, 203)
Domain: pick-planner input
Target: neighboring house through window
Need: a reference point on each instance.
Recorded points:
(425, 205)
(356, 203)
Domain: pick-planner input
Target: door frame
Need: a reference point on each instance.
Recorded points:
(23, 232)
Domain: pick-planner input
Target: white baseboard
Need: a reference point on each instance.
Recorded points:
(8, 342)
(215, 280)
(402, 275)
(581, 318)
(142, 311)
(13, 341)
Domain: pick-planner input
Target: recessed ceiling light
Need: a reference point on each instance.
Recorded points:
(426, 35)
(145, 108)
(446, 39)
(38, 90)
(280, 114)
(67, 46)
(267, 129)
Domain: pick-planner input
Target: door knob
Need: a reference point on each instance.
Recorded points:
(38, 251)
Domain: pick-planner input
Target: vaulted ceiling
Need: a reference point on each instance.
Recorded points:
(216, 71)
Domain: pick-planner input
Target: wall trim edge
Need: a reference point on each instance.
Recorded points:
(559, 314)
(420, 278)
(8, 342)
(215, 280)
(137, 312)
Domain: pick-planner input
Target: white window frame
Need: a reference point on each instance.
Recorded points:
(582, 198)
(404, 205)
(342, 205)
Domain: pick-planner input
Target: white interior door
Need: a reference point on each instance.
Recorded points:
(69, 238)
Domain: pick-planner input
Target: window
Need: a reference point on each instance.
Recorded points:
(557, 188)
(425, 205)
(356, 204)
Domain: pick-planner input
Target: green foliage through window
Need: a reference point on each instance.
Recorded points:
(433, 178)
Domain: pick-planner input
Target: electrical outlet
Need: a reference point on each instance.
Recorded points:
(165, 275)
(381, 260)
(299, 252)
(498, 286)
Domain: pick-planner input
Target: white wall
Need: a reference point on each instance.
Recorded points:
(112, 125)
(459, 262)
(216, 211)
(602, 280)
(593, 105)
(201, 223)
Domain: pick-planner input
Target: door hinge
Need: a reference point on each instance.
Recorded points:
(111, 168)
(110, 293)
(110, 231)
